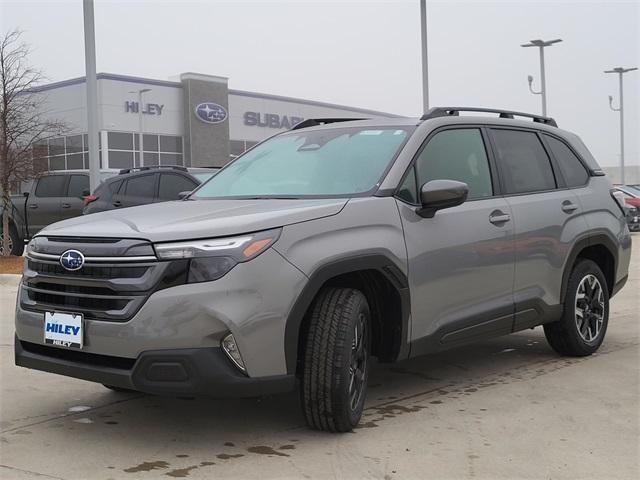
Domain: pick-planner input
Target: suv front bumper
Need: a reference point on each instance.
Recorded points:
(177, 372)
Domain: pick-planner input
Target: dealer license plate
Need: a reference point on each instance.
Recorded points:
(63, 329)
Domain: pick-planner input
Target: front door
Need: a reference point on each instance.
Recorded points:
(461, 261)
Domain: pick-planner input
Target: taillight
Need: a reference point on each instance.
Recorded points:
(89, 198)
(618, 196)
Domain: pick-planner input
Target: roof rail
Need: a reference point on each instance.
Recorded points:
(455, 111)
(313, 122)
(151, 167)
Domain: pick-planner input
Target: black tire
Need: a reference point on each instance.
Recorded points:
(17, 244)
(118, 389)
(330, 400)
(565, 335)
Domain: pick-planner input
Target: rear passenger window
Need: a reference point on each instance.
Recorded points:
(171, 185)
(51, 186)
(456, 155)
(142, 186)
(572, 169)
(524, 162)
(115, 186)
(77, 185)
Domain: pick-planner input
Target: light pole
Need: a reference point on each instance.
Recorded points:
(92, 93)
(140, 92)
(543, 82)
(425, 60)
(620, 71)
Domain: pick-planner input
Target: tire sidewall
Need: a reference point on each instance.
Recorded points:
(354, 414)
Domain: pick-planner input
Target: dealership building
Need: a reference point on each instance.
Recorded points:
(193, 121)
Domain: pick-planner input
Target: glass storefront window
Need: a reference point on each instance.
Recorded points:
(120, 141)
(150, 143)
(75, 161)
(170, 144)
(170, 159)
(74, 144)
(119, 159)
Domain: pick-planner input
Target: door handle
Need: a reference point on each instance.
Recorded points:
(66, 205)
(117, 203)
(569, 207)
(33, 205)
(499, 217)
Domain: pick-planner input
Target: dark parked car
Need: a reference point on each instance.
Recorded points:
(143, 185)
(53, 196)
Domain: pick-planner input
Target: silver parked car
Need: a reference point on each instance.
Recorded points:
(326, 245)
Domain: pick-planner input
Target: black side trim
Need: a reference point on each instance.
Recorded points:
(618, 286)
(342, 266)
(605, 239)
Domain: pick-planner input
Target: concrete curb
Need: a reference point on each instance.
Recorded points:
(9, 279)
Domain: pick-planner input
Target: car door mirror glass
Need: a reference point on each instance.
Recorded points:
(438, 194)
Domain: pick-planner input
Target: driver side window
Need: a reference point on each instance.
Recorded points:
(457, 155)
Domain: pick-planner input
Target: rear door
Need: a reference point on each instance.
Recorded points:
(171, 184)
(72, 204)
(547, 219)
(43, 205)
(461, 261)
(136, 190)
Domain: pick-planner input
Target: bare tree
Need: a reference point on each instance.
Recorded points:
(23, 124)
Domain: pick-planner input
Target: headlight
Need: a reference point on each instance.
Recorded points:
(213, 258)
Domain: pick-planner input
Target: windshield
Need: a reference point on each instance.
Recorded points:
(328, 162)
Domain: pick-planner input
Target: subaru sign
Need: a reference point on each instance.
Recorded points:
(210, 112)
(72, 260)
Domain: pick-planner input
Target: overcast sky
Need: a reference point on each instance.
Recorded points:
(364, 53)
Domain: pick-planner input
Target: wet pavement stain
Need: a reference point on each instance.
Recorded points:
(229, 444)
(182, 455)
(227, 456)
(111, 422)
(366, 425)
(436, 402)
(181, 472)
(264, 450)
(287, 447)
(207, 464)
(147, 466)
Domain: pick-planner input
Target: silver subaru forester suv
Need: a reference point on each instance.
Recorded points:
(324, 246)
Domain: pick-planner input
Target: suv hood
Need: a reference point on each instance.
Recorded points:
(182, 220)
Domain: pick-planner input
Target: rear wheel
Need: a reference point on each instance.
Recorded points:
(336, 361)
(581, 329)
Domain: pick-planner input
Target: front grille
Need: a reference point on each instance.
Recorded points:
(87, 271)
(111, 287)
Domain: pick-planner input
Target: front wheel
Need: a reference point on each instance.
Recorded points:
(336, 360)
(581, 329)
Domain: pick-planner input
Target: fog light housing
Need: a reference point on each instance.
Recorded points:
(230, 347)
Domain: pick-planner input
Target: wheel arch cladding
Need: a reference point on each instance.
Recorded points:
(387, 291)
(602, 250)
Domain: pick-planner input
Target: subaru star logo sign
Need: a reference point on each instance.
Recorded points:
(72, 260)
(211, 112)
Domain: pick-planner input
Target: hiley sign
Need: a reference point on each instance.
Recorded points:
(148, 109)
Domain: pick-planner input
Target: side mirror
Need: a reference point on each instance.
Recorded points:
(438, 194)
(25, 194)
(183, 195)
(85, 193)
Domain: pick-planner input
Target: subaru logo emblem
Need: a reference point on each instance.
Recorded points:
(72, 260)
(211, 112)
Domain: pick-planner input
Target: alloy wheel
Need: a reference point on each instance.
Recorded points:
(358, 362)
(589, 308)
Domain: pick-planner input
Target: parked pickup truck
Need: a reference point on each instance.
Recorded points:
(53, 196)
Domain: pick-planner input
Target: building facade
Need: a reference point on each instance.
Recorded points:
(195, 121)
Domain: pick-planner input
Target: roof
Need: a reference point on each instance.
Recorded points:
(241, 93)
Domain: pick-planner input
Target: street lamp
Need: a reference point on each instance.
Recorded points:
(543, 83)
(620, 71)
(140, 92)
(425, 60)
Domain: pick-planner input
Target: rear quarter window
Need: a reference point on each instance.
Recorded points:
(573, 172)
